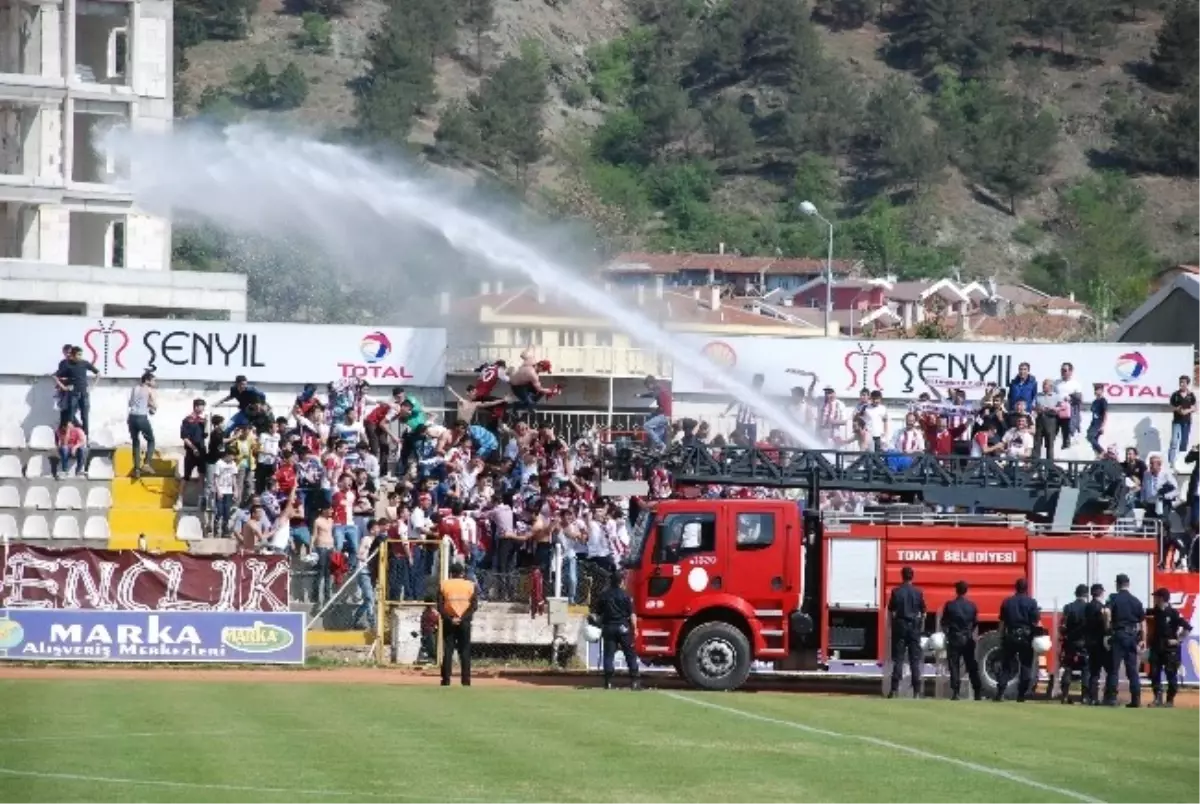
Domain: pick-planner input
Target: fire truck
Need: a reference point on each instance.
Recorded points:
(719, 583)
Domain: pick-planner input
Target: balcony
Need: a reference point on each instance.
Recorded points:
(583, 361)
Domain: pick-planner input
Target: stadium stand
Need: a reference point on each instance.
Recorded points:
(41, 438)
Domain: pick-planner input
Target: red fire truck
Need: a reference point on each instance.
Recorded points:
(721, 583)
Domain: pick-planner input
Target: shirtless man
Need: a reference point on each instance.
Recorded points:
(323, 547)
(468, 407)
(527, 386)
(252, 531)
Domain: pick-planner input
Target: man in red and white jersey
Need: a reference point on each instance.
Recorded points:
(343, 518)
(449, 526)
(376, 425)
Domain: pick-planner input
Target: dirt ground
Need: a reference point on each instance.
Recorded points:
(407, 677)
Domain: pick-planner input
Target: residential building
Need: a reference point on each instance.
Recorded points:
(71, 241)
(501, 324)
(743, 275)
(972, 308)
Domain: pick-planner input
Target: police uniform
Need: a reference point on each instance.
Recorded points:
(457, 600)
(906, 604)
(1127, 617)
(1095, 632)
(1164, 648)
(960, 617)
(612, 611)
(1020, 615)
(1073, 638)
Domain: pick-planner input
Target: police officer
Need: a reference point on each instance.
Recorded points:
(1095, 632)
(612, 611)
(1127, 619)
(906, 605)
(1072, 636)
(960, 618)
(456, 602)
(1164, 646)
(1019, 616)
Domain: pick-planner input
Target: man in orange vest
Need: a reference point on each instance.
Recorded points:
(456, 603)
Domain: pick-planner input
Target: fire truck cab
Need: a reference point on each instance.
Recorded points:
(720, 584)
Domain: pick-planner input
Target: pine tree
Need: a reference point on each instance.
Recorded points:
(728, 129)
(478, 15)
(290, 87)
(1177, 53)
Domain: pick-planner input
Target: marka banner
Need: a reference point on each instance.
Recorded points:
(217, 351)
(1131, 373)
(109, 580)
(191, 637)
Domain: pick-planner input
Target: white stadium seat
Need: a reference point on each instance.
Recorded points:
(8, 527)
(10, 466)
(35, 527)
(10, 497)
(66, 527)
(102, 438)
(12, 437)
(99, 498)
(42, 438)
(38, 497)
(38, 466)
(189, 529)
(96, 527)
(68, 499)
(100, 469)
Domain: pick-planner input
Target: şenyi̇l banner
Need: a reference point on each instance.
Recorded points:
(217, 351)
(904, 369)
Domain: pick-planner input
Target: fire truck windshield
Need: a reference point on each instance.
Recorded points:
(638, 537)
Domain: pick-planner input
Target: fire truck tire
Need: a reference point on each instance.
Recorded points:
(716, 656)
(987, 653)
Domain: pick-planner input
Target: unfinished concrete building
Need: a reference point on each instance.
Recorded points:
(71, 241)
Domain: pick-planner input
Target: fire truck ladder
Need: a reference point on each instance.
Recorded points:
(1041, 486)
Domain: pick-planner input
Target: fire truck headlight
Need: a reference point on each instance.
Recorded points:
(1041, 644)
(925, 645)
(937, 642)
(591, 633)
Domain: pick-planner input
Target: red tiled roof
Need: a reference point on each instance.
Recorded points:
(650, 263)
(1032, 326)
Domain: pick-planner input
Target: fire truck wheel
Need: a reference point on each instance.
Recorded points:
(987, 653)
(716, 656)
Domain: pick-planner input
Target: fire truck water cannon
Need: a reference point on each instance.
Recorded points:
(720, 584)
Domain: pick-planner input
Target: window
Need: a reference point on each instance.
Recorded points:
(527, 337)
(682, 535)
(755, 530)
(570, 337)
(604, 338)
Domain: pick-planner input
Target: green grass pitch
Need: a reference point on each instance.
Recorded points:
(127, 740)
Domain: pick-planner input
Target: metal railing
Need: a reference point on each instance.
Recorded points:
(602, 361)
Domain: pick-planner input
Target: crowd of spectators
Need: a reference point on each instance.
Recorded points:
(344, 473)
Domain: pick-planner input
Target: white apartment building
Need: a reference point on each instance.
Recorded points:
(70, 241)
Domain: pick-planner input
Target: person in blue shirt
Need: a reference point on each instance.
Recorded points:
(1023, 387)
(485, 441)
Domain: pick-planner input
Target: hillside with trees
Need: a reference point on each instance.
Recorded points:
(1054, 141)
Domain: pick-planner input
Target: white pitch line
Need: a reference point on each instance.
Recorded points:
(917, 752)
(250, 789)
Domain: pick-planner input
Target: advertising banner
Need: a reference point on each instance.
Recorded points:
(108, 580)
(217, 351)
(1185, 592)
(186, 637)
(903, 369)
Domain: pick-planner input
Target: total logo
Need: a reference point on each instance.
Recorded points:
(1131, 368)
(375, 349)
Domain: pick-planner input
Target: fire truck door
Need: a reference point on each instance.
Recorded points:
(683, 562)
(757, 559)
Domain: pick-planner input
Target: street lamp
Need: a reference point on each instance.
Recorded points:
(810, 209)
